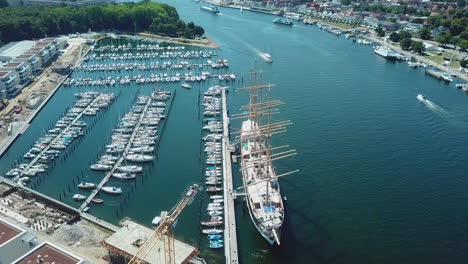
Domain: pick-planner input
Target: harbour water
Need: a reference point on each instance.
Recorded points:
(382, 175)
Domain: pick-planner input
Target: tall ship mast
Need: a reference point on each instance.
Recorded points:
(260, 180)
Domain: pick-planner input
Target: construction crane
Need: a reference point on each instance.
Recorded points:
(164, 230)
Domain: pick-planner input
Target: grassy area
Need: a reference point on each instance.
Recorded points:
(434, 56)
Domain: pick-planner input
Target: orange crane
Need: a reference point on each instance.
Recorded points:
(164, 230)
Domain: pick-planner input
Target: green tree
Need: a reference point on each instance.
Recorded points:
(404, 34)
(417, 46)
(405, 44)
(444, 38)
(463, 44)
(345, 2)
(395, 37)
(425, 33)
(464, 63)
(380, 32)
(3, 3)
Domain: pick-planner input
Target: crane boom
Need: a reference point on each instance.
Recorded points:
(165, 227)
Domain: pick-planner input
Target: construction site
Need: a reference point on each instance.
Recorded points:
(91, 238)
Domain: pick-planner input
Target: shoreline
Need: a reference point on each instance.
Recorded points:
(449, 70)
(9, 140)
(206, 43)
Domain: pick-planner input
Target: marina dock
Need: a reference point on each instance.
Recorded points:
(119, 161)
(59, 136)
(230, 242)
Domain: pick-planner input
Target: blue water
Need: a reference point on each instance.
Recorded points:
(382, 176)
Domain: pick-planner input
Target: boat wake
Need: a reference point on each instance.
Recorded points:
(433, 106)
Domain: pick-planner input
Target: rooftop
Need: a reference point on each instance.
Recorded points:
(15, 49)
(4, 73)
(7, 231)
(48, 253)
(12, 64)
(130, 232)
(25, 56)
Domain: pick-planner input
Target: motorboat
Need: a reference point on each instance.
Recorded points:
(214, 236)
(215, 213)
(138, 158)
(123, 176)
(186, 85)
(79, 197)
(97, 201)
(87, 185)
(421, 97)
(130, 169)
(212, 231)
(112, 190)
(211, 223)
(100, 167)
(214, 189)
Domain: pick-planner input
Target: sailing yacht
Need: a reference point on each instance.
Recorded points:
(261, 186)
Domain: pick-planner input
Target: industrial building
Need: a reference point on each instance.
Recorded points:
(14, 49)
(126, 242)
(14, 242)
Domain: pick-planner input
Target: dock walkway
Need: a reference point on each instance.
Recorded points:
(230, 241)
(73, 122)
(119, 161)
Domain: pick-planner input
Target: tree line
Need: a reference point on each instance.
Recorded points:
(20, 23)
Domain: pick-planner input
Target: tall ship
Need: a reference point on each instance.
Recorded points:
(260, 180)
(211, 9)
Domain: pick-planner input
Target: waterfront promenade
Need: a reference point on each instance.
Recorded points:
(230, 242)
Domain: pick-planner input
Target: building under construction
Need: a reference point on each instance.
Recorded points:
(124, 244)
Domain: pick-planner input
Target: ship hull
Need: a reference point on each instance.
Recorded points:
(265, 215)
(259, 229)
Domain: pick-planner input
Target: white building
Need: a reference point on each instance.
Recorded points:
(8, 84)
(32, 60)
(14, 242)
(22, 69)
(15, 49)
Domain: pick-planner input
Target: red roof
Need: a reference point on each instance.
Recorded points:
(48, 254)
(13, 64)
(7, 232)
(25, 56)
(3, 74)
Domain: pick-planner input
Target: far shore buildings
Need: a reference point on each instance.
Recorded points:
(21, 61)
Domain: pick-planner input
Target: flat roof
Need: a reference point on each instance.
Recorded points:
(15, 49)
(130, 232)
(7, 232)
(48, 253)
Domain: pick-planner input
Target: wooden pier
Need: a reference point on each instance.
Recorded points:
(230, 239)
(59, 136)
(119, 161)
